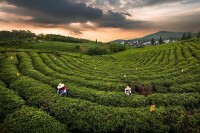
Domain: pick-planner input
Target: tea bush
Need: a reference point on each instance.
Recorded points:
(9, 102)
(165, 75)
(32, 120)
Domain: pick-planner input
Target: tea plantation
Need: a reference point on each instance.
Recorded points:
(167, 76)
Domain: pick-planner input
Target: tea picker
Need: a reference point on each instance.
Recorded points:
(61, 89)
(127, 90)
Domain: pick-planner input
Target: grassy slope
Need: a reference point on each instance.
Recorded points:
(50, 46)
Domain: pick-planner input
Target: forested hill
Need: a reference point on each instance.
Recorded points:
(21, 36)
(157, 35)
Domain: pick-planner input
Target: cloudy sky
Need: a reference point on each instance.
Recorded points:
(104, 20)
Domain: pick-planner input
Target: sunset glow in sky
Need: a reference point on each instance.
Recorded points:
(104, 20)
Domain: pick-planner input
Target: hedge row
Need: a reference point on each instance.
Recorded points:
(32, 120)
(9, 102)
(114, 98)
(26, 119)
(97, 81)
(81, 114)
(167, 79)
(85, 116)
(26, 67)
(168, 74)
(2, 84)
(80, 72)
(40, 66)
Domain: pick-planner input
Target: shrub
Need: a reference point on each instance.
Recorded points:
(191, 124)
(114, 48)
(2, 84)
(9, 102)
(83, 116)
(31, 120)
(77, 47)
(96, 51)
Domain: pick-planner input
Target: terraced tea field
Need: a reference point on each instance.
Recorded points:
(167, 76)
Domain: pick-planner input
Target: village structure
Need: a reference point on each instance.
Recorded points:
(139, 43)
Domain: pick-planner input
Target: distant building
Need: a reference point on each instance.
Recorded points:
(166, 41)
(156, 43)
(147, 43)
(123, 42)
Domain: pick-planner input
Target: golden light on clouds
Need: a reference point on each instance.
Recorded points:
(102, 20)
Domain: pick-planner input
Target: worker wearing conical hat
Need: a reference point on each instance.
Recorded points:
(127, 90)
(61, 89)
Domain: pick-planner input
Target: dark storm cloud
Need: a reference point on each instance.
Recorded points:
(67, 11)
(185, 23)
(110, 2)
(130, 4)
(143, 3)
(41, 9)
(111, 19)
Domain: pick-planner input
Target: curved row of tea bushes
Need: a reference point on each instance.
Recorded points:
(8, 68)
(188, 100)
(147, 70)
(148, 77)
(59, 69)
(32, 120)
(115, 98)
(151, 78)
(148, 58)
(18, 118)
(195, 52)
(29, 120)
(84, 113)
(189, 55)
(153, 59)
(9, 102)
(83, 116)
(40, 66)
(143, 69)
(78, 71)
(2, 84)
(26, 67)
(100, 97)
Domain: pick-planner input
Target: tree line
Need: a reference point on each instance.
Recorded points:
(113, 48)
(184, 37)
(189, 36)
(153, 41)
(53, 37)
(16, 34)
(15, 37)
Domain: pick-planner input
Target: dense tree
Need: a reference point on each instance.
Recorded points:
(198, 34)
(152, 41)
(52, 37)
(116, 48)
(96, 51)
(160, 40)
(15, 34)
(183, 36)
(77, 47)
(16, 37)
(189, 36)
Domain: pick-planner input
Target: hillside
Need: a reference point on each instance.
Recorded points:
(167, 76)
(156, 36)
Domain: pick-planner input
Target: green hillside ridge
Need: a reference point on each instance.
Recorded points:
(157, 35)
